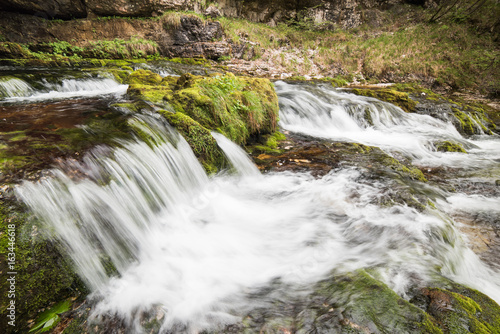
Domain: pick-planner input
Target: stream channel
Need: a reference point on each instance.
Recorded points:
(202, 252)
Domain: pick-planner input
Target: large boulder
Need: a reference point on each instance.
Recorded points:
(62, 9)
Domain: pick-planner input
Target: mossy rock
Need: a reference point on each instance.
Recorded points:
(144, 77)
(447, 146)
(43, 276)
(353, 302)
(238, 107)
(466, 124)
(371, 305)
(10, 50)
(462, 310)
(199, 138)
(400, 99)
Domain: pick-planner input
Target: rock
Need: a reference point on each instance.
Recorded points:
(136, 7)
(238, 107)
(195, 38)
(48, 9)
(12, 51)
(212, 11)
(194, 29)
(400, 99)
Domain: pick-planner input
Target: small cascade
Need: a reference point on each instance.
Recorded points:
(16, 90)
(238, 158)
(326, 112)
(104, 220)
(195, 247)
(14, 87)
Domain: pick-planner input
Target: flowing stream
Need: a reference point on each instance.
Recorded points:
(194, 247)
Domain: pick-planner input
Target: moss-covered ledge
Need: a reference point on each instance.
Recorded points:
(238, 107)
(400, 99)
(241, 108)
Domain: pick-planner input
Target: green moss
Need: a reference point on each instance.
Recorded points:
(199, 138)
(120, 75)
(369, 303)
(401, 99)
(43, 276)
(467, 126)
(463, 310)
(272, 140)
(144, 77)
(237, 107)
(405, 171)
(447, 146)
(191, 61)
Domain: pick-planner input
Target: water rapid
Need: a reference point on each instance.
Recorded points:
(16, 90)
(148, 229)
(326, 112)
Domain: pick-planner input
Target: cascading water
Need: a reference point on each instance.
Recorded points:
(325, 112)
(194, 247)
(238, 158)
(14, 90)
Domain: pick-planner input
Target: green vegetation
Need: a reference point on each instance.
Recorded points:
(199, 138)
(461, 54)
(447, 146)
(473, 312)
(400, 99)
(50, 318)
(238, 107)
(135, 47)
(43, 276)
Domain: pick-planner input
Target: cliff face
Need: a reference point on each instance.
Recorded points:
(345, 13)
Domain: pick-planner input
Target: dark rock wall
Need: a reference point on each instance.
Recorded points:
(345, 13)
(63, 9)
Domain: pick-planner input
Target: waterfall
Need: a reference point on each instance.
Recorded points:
(14, 87)
(238, 158)
(326, 112)
(194, 248)
(17, 90)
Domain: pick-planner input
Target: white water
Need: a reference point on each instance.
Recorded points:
(238, 158)
(11, 87)
(17, 90)
(326, 112)
(195, 247)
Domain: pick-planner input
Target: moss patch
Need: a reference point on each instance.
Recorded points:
(400, 99)
(463, 310)
(237, 107)
(43, 276)
(372, 304)
(447, 146)
(199, 138)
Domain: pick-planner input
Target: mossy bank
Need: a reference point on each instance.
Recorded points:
(241, 108)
